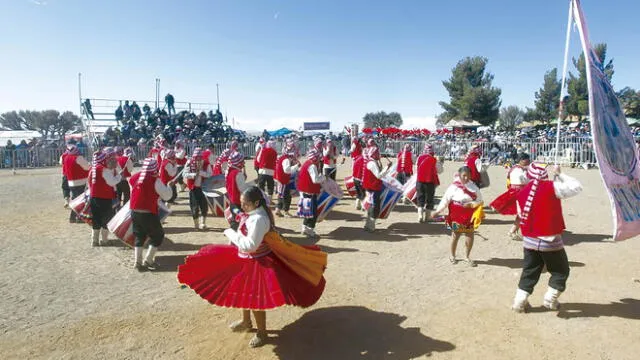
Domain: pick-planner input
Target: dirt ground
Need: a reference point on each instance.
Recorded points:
(389, 295)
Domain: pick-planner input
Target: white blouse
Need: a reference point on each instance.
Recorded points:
(257, 226)
(456, 194)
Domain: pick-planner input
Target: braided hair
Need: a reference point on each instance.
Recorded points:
(254, 194)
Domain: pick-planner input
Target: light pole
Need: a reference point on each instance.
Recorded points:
(218, 95)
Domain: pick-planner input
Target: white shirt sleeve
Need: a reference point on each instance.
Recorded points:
(446, 199)
(316, 178)
(478, 199)
(257, 228)
(478, 165)
(373, 167)
(83, 163)
(565, 186)
(241, 182)
(129, 166)
(518, 177)
(171, 169)
(163, 190)
(110, 178)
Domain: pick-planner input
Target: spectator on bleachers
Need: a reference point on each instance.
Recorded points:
(146, 111)
(119, 114)
(87, 107)
(170, 102)
(127, 110)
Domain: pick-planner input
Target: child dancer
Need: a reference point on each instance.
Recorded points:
(542, 225)
(247, 274)
(464, 201)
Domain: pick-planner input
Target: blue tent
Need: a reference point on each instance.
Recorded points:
(280, 132)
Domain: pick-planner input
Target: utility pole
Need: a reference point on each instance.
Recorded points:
(218, 95)
(80, 91)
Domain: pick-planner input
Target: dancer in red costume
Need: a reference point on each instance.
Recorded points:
(181, 161)
(464, 201)
(309, 184)
(236, 183)
(75, 169)
(428, 168)
(102, 184)
(125, 164)
(168, 171)
(267, 168)
(474, 163)
(147, 188)
(505, 203)
(372, 175)
(542, 225)
(330, 159)
(249, 274)
(197, 201)
(286, 166)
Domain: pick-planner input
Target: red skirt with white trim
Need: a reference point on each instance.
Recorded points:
(221, 277)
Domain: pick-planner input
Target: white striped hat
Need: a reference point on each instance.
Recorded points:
(537, 171)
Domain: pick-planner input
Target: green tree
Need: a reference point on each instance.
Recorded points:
(530, 115)
(382, 119)
(578, 101)
(13, 121)
(510, 118)
(471, 93)
(48, 122)
(630, 102)
(548, 97)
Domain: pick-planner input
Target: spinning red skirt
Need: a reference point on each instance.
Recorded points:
(221, 277)
(505, 203)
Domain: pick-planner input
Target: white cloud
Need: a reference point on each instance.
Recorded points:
(275, 16)
(419, 122)
(38, 2)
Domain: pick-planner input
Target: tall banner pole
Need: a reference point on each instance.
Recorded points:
(563, 89)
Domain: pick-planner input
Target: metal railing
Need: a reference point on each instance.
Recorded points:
(578, 153)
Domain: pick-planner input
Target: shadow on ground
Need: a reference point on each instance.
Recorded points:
(353, 332)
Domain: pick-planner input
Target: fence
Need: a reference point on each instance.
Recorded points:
(573, 153)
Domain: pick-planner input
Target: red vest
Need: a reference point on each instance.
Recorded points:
(331, 158)
(144, 196)
(155, 153)
(304, 179)
(71, 169)
(427, 170)
(369, 181)
(100, 189)
(62, 157)
(122, 161)
(205, 158)
(357, 150)
(268, 157)
(545, 216)
(180, 161)
(164, 175)
(405, 163)
(358, 167)
(280, 175)
(233, 193)
(471, 163)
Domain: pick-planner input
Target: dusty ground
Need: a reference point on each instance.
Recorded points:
(390, 295)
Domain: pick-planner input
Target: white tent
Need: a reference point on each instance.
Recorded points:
(16, 136)
(462, 123)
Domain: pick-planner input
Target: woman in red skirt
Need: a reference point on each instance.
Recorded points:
(505, 203)
(247, 274)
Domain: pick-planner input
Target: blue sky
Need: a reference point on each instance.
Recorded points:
(282, 62)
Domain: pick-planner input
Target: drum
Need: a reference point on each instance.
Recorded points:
(213, 183)
(350, 184)
(328, 198)
(121, 224)
(391, 193)
(409, 190)
(217, 202)
(80, 205)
